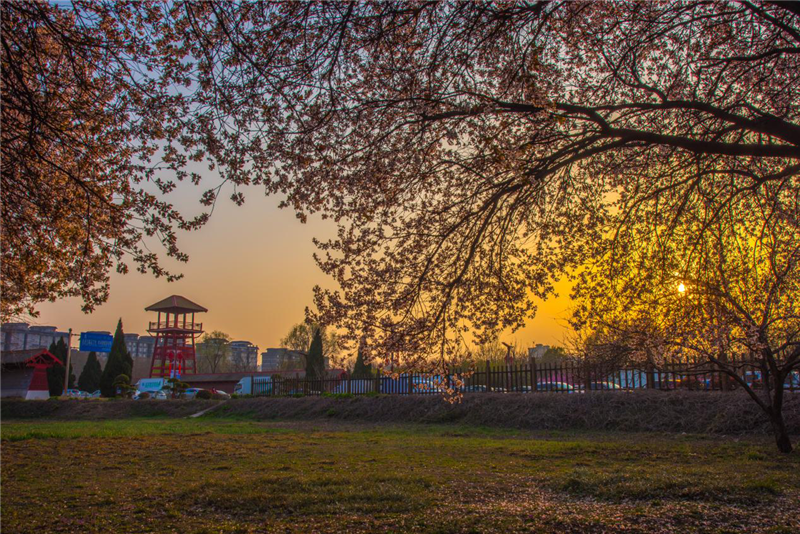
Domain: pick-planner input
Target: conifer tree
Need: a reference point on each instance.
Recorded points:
(55, 374)
(315, 362)
(119, 363)
(90, 376)
(361, 370)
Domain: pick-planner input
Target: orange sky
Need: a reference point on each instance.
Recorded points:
(252, 267)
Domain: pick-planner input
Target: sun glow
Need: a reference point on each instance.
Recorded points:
(681, 288)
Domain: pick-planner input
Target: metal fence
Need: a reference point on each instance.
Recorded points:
(530, 377)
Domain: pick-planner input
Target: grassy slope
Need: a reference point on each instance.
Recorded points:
(228, 475)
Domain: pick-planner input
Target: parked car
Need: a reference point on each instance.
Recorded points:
(753, 379)
(95, 394)
(556, 386)
(221, 393)
(191, 393)
(160, 395)
(77, 394)
(474, 389)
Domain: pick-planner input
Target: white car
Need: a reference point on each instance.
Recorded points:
(191, 393)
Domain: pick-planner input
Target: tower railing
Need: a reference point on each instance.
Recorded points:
(164, 325)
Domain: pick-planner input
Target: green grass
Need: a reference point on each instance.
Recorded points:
(134, 427)
(216, 474)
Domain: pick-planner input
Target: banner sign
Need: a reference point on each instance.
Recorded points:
(97, 342)
(151, 384)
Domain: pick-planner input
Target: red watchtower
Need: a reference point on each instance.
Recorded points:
(174, 348)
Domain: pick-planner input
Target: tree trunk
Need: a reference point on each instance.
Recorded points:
(781, 435)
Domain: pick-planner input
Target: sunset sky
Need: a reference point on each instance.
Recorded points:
(252, 267)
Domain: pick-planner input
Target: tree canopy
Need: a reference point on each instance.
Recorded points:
(213, 352)
(91, 104)
(468, 151)
(302, 334)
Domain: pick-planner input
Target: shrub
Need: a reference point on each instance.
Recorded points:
(204, 394)
(218, 396)
(144, 395)
(338, 395)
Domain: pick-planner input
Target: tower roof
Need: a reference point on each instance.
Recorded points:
(176, 304)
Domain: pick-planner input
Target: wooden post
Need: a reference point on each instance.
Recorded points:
(69, 354)
(410, 385)
(534, 379)
(252, 385)
(488, 377)
(348, 378)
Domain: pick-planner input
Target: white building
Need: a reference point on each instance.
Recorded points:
(244, 355)
(140, 346)
(22, 336)
(278, 359)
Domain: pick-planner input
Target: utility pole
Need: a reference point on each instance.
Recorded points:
(69, 353)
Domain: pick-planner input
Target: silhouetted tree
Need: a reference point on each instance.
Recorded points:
(92, 373)
(315, 362)
(361, 370)
(119, 363)
(55, 374)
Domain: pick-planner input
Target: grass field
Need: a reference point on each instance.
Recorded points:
(227, 475)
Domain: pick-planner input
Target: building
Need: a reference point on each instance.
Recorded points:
(140, 346)
(24, 373)
(538, 351)
(243, 355)
(22, 336)
(282, 358)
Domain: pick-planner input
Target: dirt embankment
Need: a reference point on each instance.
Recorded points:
(648, 411)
